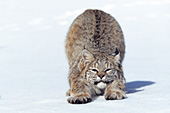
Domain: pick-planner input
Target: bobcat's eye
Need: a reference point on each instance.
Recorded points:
(107, 70)
(95, 70)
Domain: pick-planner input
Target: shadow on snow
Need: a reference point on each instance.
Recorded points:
(132, 87)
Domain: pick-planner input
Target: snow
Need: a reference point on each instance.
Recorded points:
(33, 64)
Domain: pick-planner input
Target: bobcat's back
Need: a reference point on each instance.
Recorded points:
(96, 31)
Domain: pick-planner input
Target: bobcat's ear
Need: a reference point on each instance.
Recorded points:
(87, 56)
(116, 55)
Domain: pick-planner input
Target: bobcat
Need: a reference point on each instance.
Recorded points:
(95, 50)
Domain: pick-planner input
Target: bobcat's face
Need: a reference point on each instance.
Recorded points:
(100, 70)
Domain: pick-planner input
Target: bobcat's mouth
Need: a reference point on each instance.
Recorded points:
(102, 84)
(101, 81)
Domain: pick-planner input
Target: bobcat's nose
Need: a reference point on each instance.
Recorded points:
(101, 76)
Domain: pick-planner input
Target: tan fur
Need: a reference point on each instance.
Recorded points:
(95, 49)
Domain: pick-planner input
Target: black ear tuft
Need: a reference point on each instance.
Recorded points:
(116, 55)
(117, 51)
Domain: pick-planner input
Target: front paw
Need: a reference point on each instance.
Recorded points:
(115, 95)
(79, 100)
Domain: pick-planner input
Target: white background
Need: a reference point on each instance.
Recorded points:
(33, 64)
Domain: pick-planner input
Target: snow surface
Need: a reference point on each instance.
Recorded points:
(34, 69)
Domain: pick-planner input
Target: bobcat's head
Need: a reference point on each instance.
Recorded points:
(101, 69)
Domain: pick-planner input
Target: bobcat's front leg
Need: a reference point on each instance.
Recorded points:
(80, 92)
(115, 91)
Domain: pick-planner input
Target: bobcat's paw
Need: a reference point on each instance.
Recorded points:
(79, 100)
(115, 95)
